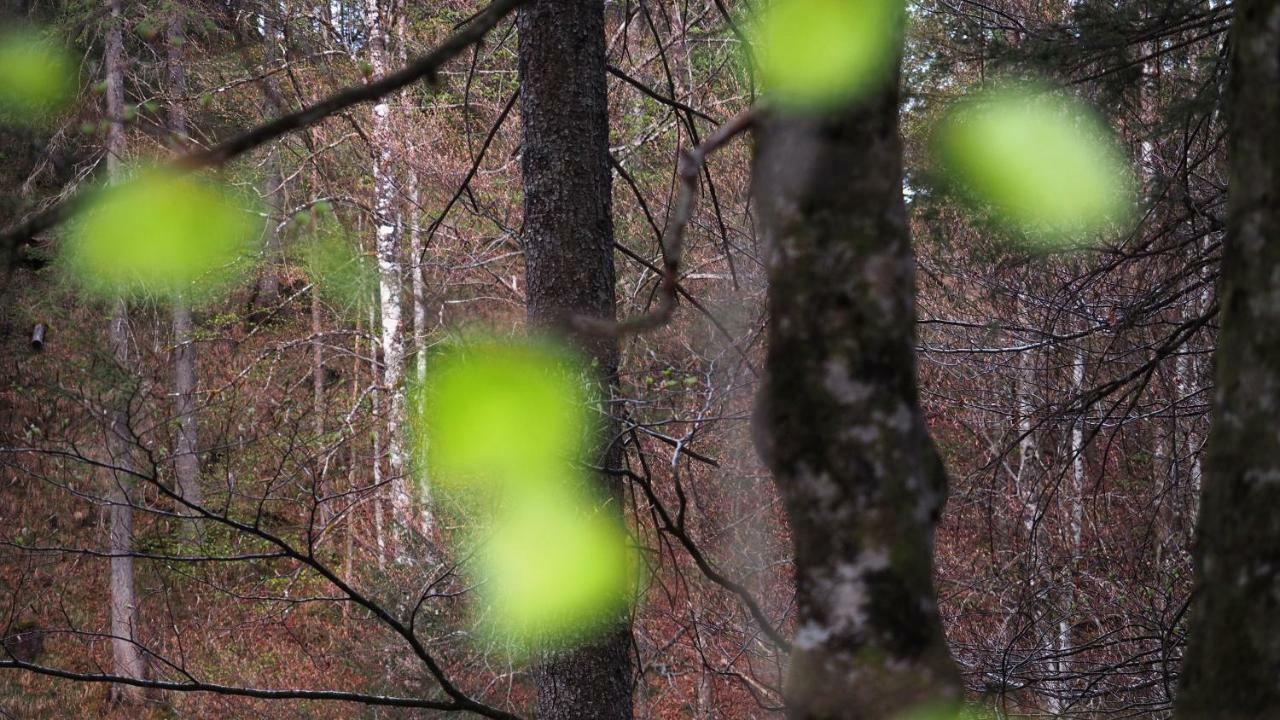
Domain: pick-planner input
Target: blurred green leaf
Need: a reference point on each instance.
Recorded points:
(1039, 160)
(37, 77)
(503, 427)
(815, 54)
(161, 235)
(556, 568)
(503, 414)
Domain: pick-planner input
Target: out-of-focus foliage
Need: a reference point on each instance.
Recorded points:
(1043, 163)
(37, 77)
(814, 54)
(507, 425)
(556, 566)
(346, 280)
(161, 235)
(505, 415)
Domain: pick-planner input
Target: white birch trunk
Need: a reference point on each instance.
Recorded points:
(390, 273)
(418, 283)
(1073, 498)
(380, 537)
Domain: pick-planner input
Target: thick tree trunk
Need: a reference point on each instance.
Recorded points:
(186, 462)
(1232, 665)
(390, 270)
(568, 251)
(839, 421)
(127, 659)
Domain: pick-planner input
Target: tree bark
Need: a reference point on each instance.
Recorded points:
(390, 270)
(1232, 665)
(838, 419)
(126, 657)
(568, 253)
(268, 292)
(186, 462)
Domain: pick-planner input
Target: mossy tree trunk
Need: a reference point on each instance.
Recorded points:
(839, 421)
(1232, 665)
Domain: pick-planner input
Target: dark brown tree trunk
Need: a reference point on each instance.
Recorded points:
(568, 251)
(839, 421)
(1232, 665)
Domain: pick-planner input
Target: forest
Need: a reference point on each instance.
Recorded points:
(614, 359)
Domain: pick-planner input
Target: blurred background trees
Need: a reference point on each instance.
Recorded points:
(244, 461)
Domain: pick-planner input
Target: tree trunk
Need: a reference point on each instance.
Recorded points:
(186, 462)
(126, 657)
(839, 421)
(568, 253)
(390, 282)
(268, 292)
(1232, 665)
(412, 214)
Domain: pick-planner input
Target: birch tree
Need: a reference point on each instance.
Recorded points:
(390, 266)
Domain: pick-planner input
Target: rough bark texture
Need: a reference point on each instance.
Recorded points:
(839, 421)
(127, 660)
(1232, 665)
(568, 250)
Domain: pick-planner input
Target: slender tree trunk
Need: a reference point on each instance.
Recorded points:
(1072, 497)
(418, 283)
(839, 420)
(1232, 665)
(568, 253)
(375, 399)
(412, 214)
(126, 657)
(186, 462)
(390, 270)
(268, 293)
(1029, 489)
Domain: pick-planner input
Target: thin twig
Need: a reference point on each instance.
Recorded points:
(688, 169)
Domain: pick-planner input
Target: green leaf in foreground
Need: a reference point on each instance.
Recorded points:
(555, 570)
(503, 428)
(37, 77)
(160, 235)
(1039, 161)
(815, 54)
(501, 414)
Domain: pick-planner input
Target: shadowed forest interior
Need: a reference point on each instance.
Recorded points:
(613, 359)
